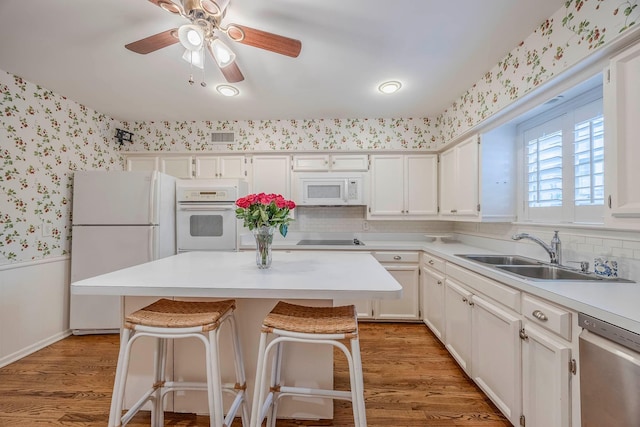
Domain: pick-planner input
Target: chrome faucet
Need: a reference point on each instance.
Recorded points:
(554, 250)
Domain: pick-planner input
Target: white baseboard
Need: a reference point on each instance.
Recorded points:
(33, 348)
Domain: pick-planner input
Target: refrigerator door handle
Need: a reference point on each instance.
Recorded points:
(152, 198)
(153, 246)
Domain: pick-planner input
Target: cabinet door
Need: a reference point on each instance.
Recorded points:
(233, 167)
(180, 167)
(545, 380)
(496, 356)
(467, 189)
(271, 174)
(349, 162)
(421, 185)
(311, 162)
(407, 307)
(142, 164)
(433, 301)
(207, 167)
(622, 151)
(448, 183)
(364, 308)
(387, 183)
(457, 322)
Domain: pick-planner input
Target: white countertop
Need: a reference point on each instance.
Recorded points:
(614, 302)
(293, 275)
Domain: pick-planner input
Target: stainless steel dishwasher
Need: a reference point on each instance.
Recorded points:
(609, 374)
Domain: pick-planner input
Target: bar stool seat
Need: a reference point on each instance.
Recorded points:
(169, 319)
(313, 325)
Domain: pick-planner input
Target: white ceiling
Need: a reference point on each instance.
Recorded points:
(438, 49)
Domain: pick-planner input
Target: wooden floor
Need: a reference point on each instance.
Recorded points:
(410, 380)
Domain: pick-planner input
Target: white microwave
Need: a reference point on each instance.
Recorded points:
(328, 189)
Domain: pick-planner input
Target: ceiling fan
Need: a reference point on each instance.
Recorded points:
(201, 33)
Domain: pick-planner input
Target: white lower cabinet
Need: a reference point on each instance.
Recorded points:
(433, 301)
(546, 379)
(404, 267)
(495, 350)
(457, 333)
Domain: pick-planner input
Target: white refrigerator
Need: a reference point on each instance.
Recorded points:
(119, 219)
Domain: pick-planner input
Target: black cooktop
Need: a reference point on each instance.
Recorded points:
(346, 242)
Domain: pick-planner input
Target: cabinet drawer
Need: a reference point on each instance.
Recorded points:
(547, 315)
(433, 262)
(397, 256)
(503, 294)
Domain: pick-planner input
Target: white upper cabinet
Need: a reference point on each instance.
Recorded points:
(404, 186)
(330, 162)
(622, 133)
(459, 186)
(179, 167)
(271, 174)
(221, 167)
(142, 164)
(478, 178)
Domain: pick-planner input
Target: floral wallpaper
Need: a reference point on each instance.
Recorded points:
(44, 137)
(570, 35)
(286, 135)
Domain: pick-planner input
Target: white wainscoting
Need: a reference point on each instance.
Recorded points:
(34, 306)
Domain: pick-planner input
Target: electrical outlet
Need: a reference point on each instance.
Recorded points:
(365, 226)
(47, 229)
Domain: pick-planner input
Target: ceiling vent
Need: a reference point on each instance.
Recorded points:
(223, 137)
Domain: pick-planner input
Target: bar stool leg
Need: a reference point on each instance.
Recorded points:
(241, 378)
(359, 382)
(214, 383)
(276, 372)
(259, 392)
(157, 414)
(121, 378)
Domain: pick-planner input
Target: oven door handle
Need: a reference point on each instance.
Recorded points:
(206, 208)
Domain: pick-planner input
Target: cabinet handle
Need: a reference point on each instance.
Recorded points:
(431, 262)
(609, 201)
(397, 257)
(540, 316)
(471, 303)
(464, 299)
(439, 282)
(454, 210)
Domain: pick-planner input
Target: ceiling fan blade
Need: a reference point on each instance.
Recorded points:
(155, 42)
(264, 40)
(232, 73)
(169, 6)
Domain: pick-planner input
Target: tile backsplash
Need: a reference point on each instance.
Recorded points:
(353, 219)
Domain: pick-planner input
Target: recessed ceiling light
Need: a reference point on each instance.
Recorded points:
(227, 90)
(390, 86)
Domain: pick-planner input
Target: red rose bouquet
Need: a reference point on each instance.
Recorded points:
(265, 210)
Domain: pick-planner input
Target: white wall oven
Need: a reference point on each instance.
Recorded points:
(205, 215)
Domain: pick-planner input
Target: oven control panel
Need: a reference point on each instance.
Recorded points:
(207, 195)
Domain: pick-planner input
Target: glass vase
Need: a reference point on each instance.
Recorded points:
(264, 239)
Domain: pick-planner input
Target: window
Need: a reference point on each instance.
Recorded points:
(563, 162)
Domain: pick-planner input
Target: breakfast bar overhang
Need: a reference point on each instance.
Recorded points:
(303, 277)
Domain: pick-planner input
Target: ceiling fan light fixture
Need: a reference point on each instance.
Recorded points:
(221, 53)
(169, 6)
(215, 8)
(194, 57)
(390, 86)
(191, 36)
(227, 90)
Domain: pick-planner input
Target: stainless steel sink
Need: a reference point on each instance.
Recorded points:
(549, 272)
(501, 259)
(530, 268)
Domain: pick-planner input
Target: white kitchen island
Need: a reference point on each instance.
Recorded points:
(303, 277)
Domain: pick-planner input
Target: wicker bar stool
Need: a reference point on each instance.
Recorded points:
(168, 319)
(314, 325)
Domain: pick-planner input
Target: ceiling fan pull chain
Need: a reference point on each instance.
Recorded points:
(191, 80)
(203, 83)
